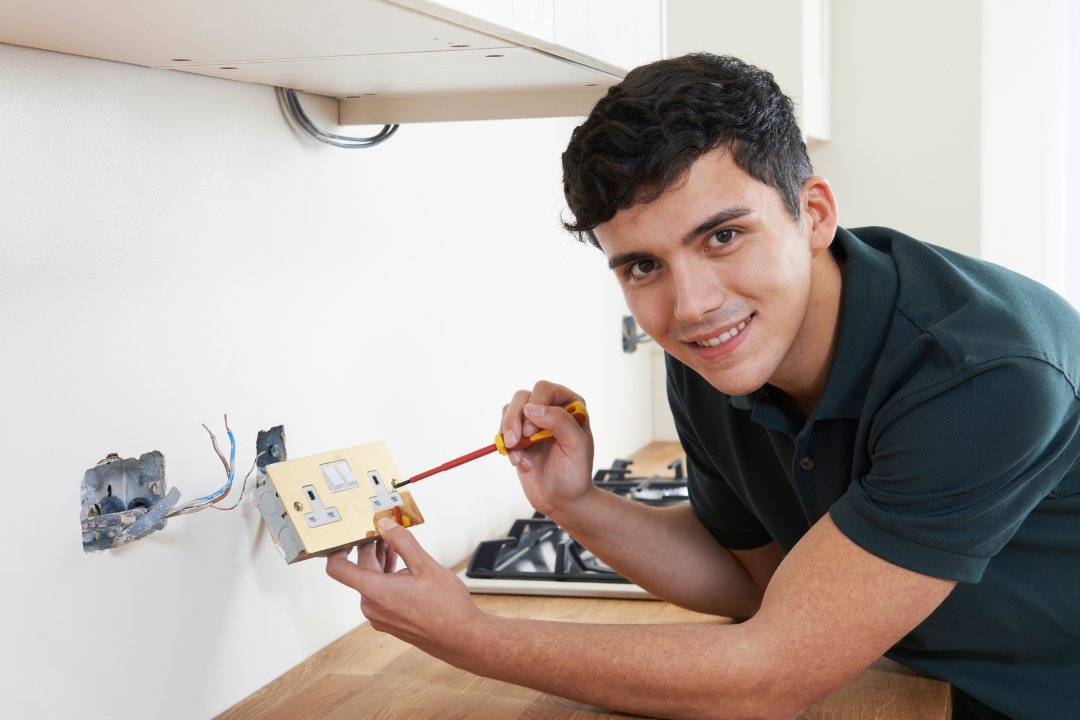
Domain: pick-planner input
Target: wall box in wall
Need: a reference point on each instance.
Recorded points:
(395, 60)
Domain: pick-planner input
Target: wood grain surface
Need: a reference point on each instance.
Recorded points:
(370, 675)
(653, 459)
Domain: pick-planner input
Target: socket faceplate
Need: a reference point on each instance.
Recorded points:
(354, 504)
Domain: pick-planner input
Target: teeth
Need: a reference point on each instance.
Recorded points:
(724, 337)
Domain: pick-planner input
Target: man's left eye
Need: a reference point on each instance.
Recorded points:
(722, 237)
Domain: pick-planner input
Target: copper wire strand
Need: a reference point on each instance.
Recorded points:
(211, 502)
(213, 439)
(243, 487)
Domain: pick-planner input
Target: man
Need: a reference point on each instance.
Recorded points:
(881, 438)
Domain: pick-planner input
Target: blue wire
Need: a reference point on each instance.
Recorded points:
(232, 465)
(232, 456)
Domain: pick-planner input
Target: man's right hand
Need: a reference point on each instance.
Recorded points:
(555, 474)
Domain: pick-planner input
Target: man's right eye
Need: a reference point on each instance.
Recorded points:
(642, 268)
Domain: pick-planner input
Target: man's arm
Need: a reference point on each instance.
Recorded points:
(830, 610)
(671, 554)
(667, 551)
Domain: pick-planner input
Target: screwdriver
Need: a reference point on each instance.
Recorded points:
(576, 410)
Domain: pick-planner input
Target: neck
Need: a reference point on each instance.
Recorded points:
(803, 372)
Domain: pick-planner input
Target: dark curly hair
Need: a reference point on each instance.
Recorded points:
(646, 132)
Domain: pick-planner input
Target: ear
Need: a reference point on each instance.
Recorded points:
(819, 207)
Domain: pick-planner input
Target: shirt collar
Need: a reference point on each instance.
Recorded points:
(867, 303)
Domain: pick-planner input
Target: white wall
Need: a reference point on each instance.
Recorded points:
(1031, 140)
(171, 250)
(905, 150)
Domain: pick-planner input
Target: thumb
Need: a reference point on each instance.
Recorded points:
(562, 424)
(403, 543)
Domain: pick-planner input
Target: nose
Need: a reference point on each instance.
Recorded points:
(697, 291)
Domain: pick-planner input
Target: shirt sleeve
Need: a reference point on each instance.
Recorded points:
(956, 468)
(720, 510)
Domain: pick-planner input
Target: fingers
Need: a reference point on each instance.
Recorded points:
(367, 556)
(561, 423)
(390, 560)
(512, 418)
(346, 572)
(401, 542)
(516, 424)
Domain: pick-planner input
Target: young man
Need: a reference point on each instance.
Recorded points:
(882, 440)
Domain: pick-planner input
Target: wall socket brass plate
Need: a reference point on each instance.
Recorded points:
(335, 499)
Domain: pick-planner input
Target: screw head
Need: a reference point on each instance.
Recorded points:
(297, 506)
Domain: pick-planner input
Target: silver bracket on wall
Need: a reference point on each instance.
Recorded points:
(630, 336)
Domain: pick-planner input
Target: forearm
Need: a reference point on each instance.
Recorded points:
(667, 551)
(667, 671)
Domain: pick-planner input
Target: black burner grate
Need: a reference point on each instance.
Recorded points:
(538, 549)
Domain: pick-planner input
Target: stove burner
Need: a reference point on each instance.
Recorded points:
(538, 549)
(650, 491)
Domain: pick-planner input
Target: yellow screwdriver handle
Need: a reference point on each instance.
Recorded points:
(577, 411)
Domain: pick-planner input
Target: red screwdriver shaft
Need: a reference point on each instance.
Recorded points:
(452, 464)
(576, 410)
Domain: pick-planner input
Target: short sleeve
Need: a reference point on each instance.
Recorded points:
(720, 510)
(956, 468)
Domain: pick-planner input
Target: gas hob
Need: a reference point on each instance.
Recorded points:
(537, 557)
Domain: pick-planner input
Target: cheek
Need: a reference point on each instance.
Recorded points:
(780, 279)
(647, 307)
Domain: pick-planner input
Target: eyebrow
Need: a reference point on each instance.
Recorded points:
(726, 215)
(719, 218)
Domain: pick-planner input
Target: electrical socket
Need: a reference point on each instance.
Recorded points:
(293, 500)
(383, 498)
(319, 515)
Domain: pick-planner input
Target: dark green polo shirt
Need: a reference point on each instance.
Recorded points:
(946, 441)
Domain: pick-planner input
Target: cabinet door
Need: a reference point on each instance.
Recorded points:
(625, 33)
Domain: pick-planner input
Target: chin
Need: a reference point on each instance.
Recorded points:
(733, 386)
(730, 381)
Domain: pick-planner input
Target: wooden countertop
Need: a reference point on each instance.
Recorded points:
(367, 674)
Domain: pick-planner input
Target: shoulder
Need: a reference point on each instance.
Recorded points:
(976, 313)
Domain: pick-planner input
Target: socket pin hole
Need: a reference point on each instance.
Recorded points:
(311, 495)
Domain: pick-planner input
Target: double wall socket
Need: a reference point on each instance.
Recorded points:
(333, 500)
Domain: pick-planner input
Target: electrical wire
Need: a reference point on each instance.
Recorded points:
(209, 500)
(243, 487)
(341, 141)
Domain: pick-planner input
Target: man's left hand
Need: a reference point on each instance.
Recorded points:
(423, 604)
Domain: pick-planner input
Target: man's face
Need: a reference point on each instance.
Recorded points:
(716, 272)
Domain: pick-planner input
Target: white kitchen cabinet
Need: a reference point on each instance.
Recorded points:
(387, 60)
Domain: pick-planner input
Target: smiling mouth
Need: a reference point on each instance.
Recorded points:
(724, 336)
